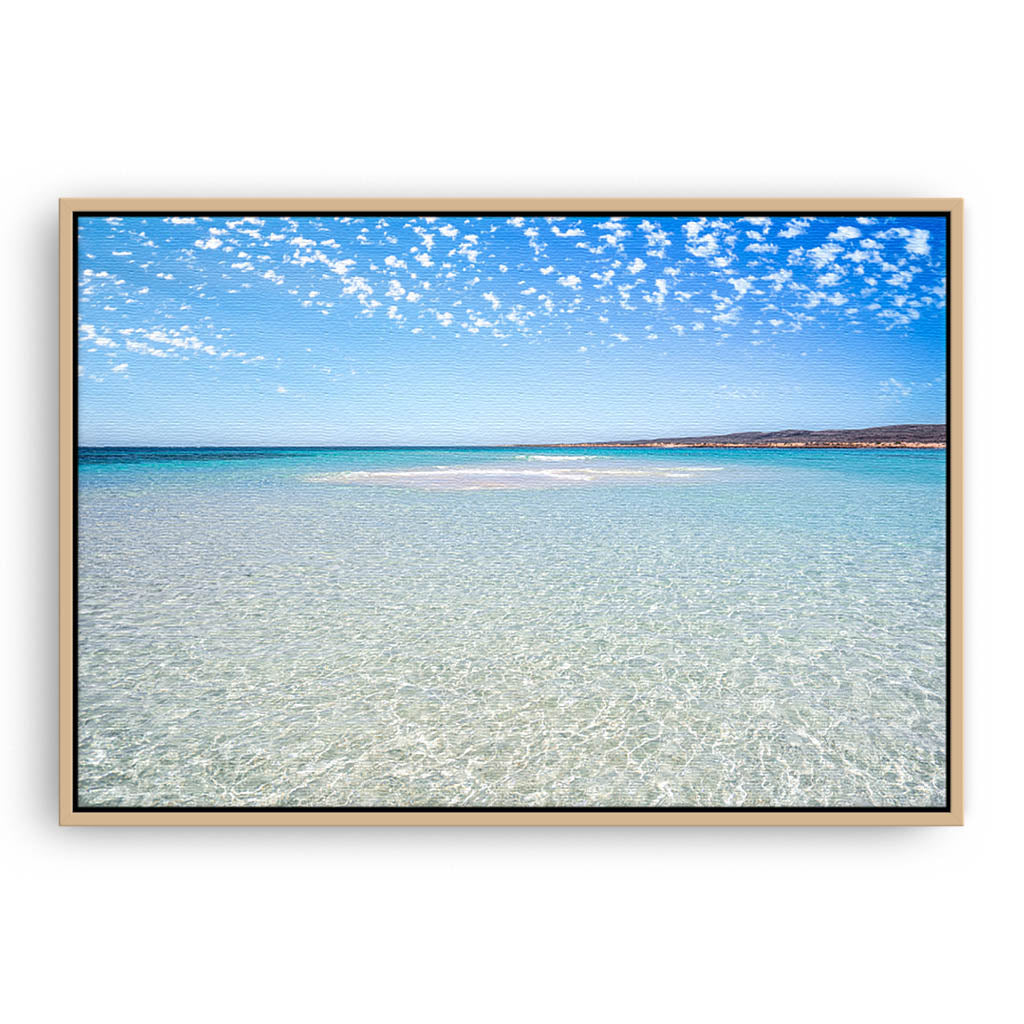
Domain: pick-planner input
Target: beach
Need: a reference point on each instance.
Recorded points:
(515, 628)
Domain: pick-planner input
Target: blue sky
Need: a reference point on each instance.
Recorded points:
(498, 329)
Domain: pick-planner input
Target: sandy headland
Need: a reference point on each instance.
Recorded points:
(906, 435)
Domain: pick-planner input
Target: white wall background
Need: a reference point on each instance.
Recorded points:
(637, 98)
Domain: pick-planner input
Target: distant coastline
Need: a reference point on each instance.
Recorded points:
(905, 435)
(908, 435)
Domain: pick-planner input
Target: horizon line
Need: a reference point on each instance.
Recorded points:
(666, 439)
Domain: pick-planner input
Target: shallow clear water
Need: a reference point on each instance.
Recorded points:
(494, 628)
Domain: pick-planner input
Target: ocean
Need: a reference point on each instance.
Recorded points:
(511, 628)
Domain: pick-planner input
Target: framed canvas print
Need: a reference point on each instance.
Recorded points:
(511, 511)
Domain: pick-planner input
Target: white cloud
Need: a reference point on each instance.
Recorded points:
(657, 297)
(917, 243)
(917, 240)
(705, 247)
(893, 388)
(656, 238)
(779, 278)
(901, 278)
(824, 254)
(795, 227)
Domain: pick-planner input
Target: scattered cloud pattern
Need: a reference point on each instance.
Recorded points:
(203, 293)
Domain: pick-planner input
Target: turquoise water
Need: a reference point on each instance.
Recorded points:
(542, 627)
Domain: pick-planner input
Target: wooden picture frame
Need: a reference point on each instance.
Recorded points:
(73, 813)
